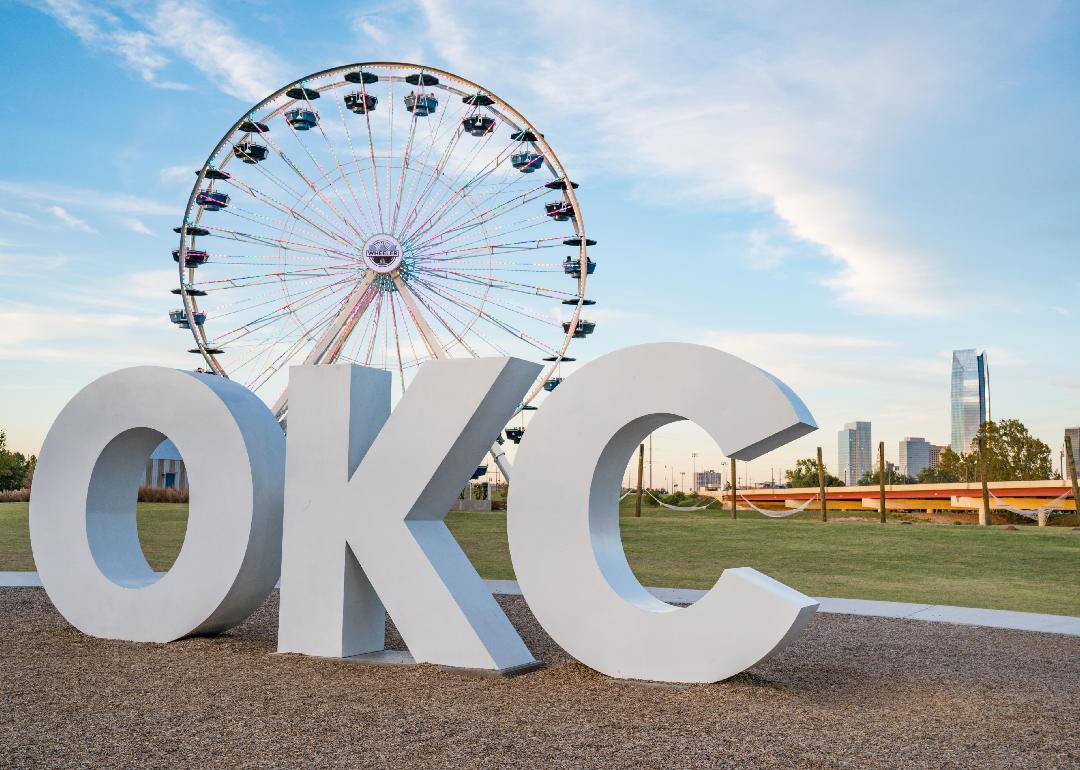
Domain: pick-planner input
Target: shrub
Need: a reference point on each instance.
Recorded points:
(162, 495)
(14, 496)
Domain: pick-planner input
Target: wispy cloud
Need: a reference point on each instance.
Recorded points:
(103, 30)
(735, 106)
(182, 172)
(135, 225)
(17, 216)
(367, 25)
(16, 260)
(148, 38)
(240, 67)
(69, 220)
(83, 198)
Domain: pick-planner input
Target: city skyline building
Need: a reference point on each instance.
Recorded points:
(935, 454)
(853, 452)
(710, 480)
(969, 397)
(914, 455)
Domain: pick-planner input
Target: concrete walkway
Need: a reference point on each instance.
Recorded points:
(968, 616)
(935, 613)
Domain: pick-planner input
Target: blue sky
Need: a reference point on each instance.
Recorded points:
(841, 193)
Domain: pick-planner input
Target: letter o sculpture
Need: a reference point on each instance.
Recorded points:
(563, 515)
(82, 509)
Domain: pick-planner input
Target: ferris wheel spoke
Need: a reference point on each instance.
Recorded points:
(455, 196)
(451, 309)
(390, 147)
(356, 161)
(477, 250)
(333, 153)
(476, 184)
(500, 284)
(458, 132)
(296, 195)
(459, 231)
(374, 329)
(332, 232)
(422, 202)
(312, 296)
(300, 247)
(481, 313)
(311, 185)
(405, 167)
(397, 342)
(324, 175)
(300, 275)
(487, 299)
(416, 358)
(463, 223)
(411, 299)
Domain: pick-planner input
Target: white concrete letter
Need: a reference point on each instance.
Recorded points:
(364, 510)
(82, 509)
(563, 520)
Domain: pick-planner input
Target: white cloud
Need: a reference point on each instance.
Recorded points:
(80, 197)
(182, 172)
(368, 26)
(239, 67)
(41, 333)
(17, 216)
(449, 37)
(736, 106)
(145, 40)
(135, 225)
(100, 29)
(15, 261)
(69, 220)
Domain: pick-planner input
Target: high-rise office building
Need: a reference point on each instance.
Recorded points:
(935, 454)
(914, 455)
(970, 397)
(853, 451)
(710, 480)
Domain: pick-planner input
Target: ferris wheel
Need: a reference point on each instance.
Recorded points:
(383, 214)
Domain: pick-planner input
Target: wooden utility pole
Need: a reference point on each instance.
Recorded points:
(881, 479)
(734, 511)
(1072, 476)
(821, 486)
(640, 474)
(985, 517)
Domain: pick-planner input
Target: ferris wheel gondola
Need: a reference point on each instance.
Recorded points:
(407, 219)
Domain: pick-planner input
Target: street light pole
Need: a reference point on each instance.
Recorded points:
(693, 470)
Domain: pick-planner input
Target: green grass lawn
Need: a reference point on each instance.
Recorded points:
(1029, 569)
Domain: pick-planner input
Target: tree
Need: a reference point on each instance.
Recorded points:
(1012, 454)
(872, 478)
(13, 466)
(805, 474)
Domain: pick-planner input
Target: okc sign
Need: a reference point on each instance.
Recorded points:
(351, 516)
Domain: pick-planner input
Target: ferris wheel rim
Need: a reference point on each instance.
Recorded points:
(518, 121)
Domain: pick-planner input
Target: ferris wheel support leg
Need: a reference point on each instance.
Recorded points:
(500, 458)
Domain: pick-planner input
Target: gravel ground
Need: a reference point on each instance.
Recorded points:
(853, 692)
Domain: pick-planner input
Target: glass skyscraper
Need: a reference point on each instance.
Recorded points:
(914, 455)
(853, 452)
(970, 397)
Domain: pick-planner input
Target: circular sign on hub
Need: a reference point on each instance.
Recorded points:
(382, 253)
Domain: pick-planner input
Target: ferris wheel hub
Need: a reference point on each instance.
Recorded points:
(383, 253)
